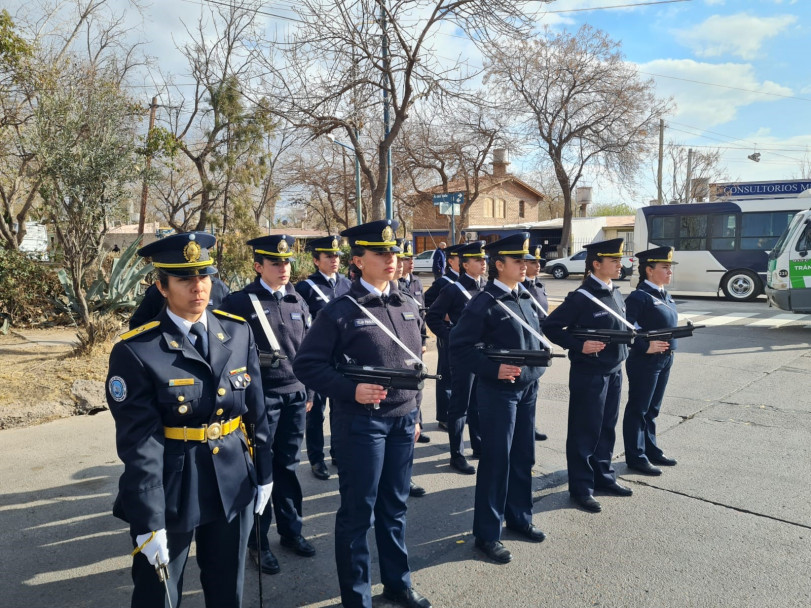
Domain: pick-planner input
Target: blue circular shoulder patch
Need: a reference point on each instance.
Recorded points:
(117, 388)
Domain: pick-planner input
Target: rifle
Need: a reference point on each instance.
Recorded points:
(669, 333)
(521, 358)
(270, 359)
(387, 377)
(606, 336)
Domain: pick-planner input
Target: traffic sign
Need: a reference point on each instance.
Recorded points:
(449, 197)
(448, 209)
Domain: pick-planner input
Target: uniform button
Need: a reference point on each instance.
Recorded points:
(181, 398)
(221, 392)
(183, 409)
(215, 451)
(220, 411)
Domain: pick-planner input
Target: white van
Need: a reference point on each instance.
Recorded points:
(788, 280)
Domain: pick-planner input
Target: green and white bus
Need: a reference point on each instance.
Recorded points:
(788, 279)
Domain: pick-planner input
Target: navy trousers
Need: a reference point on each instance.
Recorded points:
(314, 434)
(221, 547)
(463, 409)
(286, 415)
(443, 386)
(647, 381)
(594, 401)
(374, 470)
(504, 476)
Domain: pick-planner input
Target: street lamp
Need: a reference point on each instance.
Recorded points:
(358, 211)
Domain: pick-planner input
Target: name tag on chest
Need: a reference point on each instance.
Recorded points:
(408, 316)
(296, 316)
(363, 322)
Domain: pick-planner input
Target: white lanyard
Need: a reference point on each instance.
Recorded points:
(318, 291)
(600, 304)
(386, 330)
(521, 322)
(463, 290)
(535, 302)
(263, 321)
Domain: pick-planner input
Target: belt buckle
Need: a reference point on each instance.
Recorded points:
(213, 431)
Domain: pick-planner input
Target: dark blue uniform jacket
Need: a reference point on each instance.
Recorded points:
(414, 287)
(342, 331)
(432, 293)
(646, 308)
(289, 319)
(157, 378)
(316, 302)
(483, 322)
(537, 290)
(578, 311)
(451, 302)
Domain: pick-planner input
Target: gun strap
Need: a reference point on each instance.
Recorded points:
(386, 330)
(608, 308)
(263, 321)
(535, 302)
(522, 323)
(317, 290)
(463, 290)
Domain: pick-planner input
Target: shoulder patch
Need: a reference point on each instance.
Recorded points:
(139, 330)
(228, 315)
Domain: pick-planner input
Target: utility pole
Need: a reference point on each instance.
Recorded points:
(661, 154)
(386, 117)
(153, 108)
(689, 174)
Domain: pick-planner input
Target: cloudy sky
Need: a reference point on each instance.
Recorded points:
(737, 69)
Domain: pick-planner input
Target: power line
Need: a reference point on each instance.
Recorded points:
(724, 86)
(606, 8)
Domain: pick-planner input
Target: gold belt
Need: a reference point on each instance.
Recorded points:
(209, 432)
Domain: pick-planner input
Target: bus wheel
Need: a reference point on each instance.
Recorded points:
(741, 286)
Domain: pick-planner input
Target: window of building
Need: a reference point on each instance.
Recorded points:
(498, 208)
(521, 209)
(488, 207)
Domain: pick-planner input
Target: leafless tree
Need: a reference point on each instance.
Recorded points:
(581, 102)
(705, 165)
(344, 57)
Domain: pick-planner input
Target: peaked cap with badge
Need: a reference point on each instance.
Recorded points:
(325, 244)
(612, 248)
(536, 249)
(375, 236)
(182, 255)
(474, 249)
(406, 248)
(453, 250)
(657, 254)
(273, 247)
(513, 246)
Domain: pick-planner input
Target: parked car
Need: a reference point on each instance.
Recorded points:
(423, 262)
(576, 264)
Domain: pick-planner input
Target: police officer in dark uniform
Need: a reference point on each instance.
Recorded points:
(181, 390)
(318, 289)
(595, 375)
(443, 314)
(286, 399)
(506, 396)
(373, 429)
(443, 385)
(536, 289)
(649, 362)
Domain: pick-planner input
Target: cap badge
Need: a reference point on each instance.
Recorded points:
(388, 234)
(335, 243)
(283, 246)
(408, 247)
(537, 252)
(192, 251)
(526, 245)
(622, 246)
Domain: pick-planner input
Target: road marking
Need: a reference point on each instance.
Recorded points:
(690, 314)
(727, 319)
(779, 320)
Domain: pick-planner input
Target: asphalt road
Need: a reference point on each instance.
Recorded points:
(729, 526)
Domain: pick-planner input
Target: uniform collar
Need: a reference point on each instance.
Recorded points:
(374, 290)
(602, 284)
(185, 326)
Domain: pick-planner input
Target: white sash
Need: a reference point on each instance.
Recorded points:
(387, 331)
(317, 290)
(263, 321)
(601, 305)
(521, 322)
(535, 302)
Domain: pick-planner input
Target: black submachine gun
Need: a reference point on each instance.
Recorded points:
(606, 336)
(670, 333)
(521, 358)
(270, 359)
(387, 377)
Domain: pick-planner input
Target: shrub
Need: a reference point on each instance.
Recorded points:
(27, 289)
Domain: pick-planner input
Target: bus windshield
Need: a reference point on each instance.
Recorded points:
(786, 237)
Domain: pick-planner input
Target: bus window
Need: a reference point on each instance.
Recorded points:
(663, 231)
(804, 242)
(760, 231)
(693, 233)
(723, 230)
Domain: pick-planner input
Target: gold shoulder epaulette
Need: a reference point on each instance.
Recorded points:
(228, 315)
(139, 330)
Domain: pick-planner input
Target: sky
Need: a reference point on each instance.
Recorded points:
(737, 70)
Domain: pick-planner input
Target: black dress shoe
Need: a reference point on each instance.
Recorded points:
(415, 490)
(265, 561)
(530, 532)
(461, 464)
(663, 460)
(540, 436)
(616, 489)
(495, 551)
(644, 467)
(588, 503)
(320, 470)
(423, 438)
(298, 544)
(406, 597)
(442, 425)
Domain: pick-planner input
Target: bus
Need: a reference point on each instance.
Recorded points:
(788, 284)
(720, 246)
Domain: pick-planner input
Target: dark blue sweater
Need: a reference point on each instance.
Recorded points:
(314, 301)
(450, 303)
(646, 308)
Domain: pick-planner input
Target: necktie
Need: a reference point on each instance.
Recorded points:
(278, 295)
(201, 343)
(331, 283)
(663, 293)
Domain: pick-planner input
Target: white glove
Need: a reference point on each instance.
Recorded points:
(262, 497)
(157, 549)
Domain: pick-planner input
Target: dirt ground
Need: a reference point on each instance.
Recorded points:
(37, 372)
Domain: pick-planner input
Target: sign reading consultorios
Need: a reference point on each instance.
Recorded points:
(750, 190)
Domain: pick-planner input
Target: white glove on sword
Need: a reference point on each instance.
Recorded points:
(262, 497)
